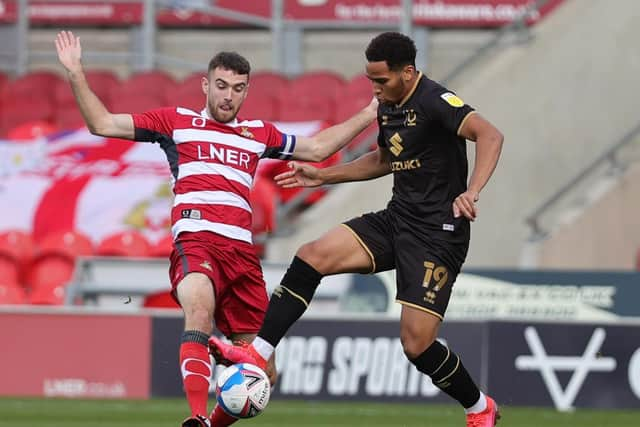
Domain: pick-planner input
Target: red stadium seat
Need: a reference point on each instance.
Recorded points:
(31, 130)
(273, 84)
(26, 109)
(53, 267)
(261, 107)
(305, 108)
(126, 244)
(16, 244)
(35, 84)
(264, 200)
(16, 252)
(160, 300)
(154, 84)
(65, 243)
(9, 271)
(162, 248)
(187, 96)
(311, 96)
(49, 276)
(136, 103)
(12, 294)
(3, 81)
(324, 82)
(102, 83)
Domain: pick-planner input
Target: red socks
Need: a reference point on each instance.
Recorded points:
(219, 418)
(196, 375)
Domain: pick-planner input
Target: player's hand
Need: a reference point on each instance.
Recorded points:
(299, 175)
(373, 106)
(465, 204)
(69, 51)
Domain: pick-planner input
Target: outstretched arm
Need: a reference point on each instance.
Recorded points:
(368, 166)
(323, 144)
(488, 141)
(98, 119)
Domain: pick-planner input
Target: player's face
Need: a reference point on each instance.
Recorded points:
(389, 86)
(225, 92)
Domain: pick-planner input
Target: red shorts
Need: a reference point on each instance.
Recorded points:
(234, 270)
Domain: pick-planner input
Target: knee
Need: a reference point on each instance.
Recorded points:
(415, 342)
(316, 255)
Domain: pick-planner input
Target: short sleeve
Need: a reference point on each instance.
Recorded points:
(279, 145)
(154, 123)
(447, 108)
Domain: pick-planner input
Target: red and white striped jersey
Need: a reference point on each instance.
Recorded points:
(213, 165)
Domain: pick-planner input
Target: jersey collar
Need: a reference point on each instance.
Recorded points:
(413, 89)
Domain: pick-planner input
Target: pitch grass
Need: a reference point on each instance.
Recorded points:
(170, 412)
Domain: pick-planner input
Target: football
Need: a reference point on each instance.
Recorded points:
(243, 390)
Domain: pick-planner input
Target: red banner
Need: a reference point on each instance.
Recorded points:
(440, 13)
(75, 356)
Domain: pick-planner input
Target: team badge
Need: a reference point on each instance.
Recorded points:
(246, 133)
(452, 99)
(206, 265)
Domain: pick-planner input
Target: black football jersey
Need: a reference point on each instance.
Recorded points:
(428, 158)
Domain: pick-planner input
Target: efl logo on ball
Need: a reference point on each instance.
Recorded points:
(243, 390)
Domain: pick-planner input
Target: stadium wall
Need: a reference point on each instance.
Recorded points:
(611, 223)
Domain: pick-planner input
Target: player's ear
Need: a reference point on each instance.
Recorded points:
(407, 72)
(205, 85)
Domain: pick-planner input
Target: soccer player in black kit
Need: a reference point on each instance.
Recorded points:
(423, 233)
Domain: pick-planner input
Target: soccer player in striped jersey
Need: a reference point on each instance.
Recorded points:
(213, 155)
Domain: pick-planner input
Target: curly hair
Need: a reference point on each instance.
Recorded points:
(230, 61)
(396, 49)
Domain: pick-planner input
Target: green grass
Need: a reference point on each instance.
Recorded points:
(170, 412)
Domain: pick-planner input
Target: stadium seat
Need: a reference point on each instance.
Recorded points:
(273, 84)
(264, 199)
(322, 82)
(260, 106)
(54, 264)
(155, 84)
(3, 81)
(31, 130)
(162, 248)
(16, 252)
(49, 276)
(41, 84)
(67, 114)
(311, 96)
(65, 243)
(136, 103)
(187, 95)
(160, 300)
(125, 244)
(12, 294)
(9, 271)
(26, 109)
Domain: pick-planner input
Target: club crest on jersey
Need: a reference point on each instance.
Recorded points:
(452, 99)
(244, 131)
(410, 118)
(206, 265)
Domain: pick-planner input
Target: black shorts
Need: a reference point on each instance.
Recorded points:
(427, 262)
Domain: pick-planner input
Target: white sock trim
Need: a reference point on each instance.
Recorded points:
(479, 406)
(263, 348)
